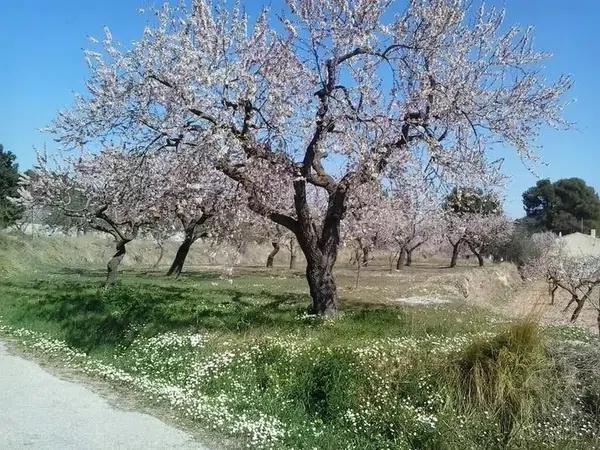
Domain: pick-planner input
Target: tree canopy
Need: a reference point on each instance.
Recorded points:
(329, 97)
(565, 206)
(9, 181)
(472, 200)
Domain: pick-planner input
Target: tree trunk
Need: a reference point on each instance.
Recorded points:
(292, 253)
(401, 261)
(552, 288)
(455, 250)
(181, 256)
(114, 263)
(271, 256)
(477, 253)
(577, 310)
(160, 255)
(365, 256)
(322, 287)
(580, 304)
(358, 266)
(409, 254)
(190, 227)
(391, 259)
(480, 259)
(320, 246)
(573, 300)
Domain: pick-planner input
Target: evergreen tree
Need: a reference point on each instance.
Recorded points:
(565, 206)
(9, 182)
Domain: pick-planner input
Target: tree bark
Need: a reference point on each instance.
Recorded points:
(573, 300)
(323, 290)
(180, 256)
(271, 256)
(477, 253)
(359, 251)
(292, 253)
(409, 254)
(320, 246)
(112, 267)
(190, 227)
(455, 250)
(401, 259)
(160, 255)
(365, 256)
(580, 304)
(577, 310)
(552, 290)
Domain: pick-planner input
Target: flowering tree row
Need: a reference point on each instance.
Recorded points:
(333, 95)
(122, 194)
(578, 275)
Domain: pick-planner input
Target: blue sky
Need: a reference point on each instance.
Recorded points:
(41, 43)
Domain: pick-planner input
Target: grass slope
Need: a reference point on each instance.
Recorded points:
(241, 357)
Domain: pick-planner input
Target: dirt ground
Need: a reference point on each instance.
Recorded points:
(497, 287)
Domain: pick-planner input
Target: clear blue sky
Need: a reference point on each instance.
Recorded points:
(41, 44)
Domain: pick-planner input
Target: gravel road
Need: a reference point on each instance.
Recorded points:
(41, 411)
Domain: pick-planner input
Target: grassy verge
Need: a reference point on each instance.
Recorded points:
(241, 357)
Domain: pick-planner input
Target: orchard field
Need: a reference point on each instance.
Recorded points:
(291, 224)
(415, 359)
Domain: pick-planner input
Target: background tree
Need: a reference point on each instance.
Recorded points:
(474, 217)
(9, 185)
(195, 199)
(565, 206)
(577, 275)
(113, 192)
(414, 215)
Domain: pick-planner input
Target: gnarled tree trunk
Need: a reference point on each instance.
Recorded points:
(180, 256)
(320, 247)
(477, 253)
(160, 254)
(401, 259)
(409, 254)
(321, 282)
(271, 257)
(292, 253)
(455, 251)
(365, 256)
(191, 236)
(114, 263)
(580, 304)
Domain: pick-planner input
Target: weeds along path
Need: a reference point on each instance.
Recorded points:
(40, 411)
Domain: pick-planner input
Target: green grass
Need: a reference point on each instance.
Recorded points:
(240, 356)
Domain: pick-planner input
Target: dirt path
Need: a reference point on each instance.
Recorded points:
(41, 411)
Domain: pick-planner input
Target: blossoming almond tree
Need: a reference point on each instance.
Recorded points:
(576, 274)
(484, 231)
(474, 217)
(325, 98)
(364, 225)
(278, 236)
(203, 201)
(414, 214)
(115, 192)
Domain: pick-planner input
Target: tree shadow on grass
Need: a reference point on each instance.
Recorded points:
(88, 273)
(91, 319)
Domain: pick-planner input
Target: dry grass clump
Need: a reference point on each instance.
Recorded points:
(507, 376)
